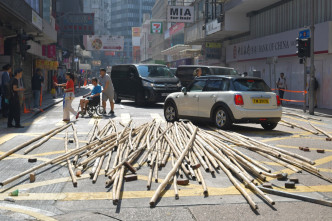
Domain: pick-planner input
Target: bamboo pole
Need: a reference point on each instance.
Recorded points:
(76, 143)
(173, 171)
(320, 130)
(71, 172)
(175, 185)
(47, 138)
(96, 174)
(21, 146)
(298, 126)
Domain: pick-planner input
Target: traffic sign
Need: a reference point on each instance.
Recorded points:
(304, 34)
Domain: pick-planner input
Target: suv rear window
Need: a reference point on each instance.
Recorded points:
(154, 71)
(223, 71)
(250, 85)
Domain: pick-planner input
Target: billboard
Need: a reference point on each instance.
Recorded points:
(136, 36)
(180, 14)
(103, 43)
(78, 24)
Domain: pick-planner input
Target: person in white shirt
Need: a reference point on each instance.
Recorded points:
(282, 85)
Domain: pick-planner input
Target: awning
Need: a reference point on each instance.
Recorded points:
(175, 49)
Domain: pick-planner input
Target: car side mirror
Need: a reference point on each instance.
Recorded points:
(184, 90)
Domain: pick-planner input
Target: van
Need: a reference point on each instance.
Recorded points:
(185, 72)
(143, 83)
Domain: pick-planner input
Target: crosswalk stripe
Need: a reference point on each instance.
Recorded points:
(125, 118)
(34, 121)
(158, 118)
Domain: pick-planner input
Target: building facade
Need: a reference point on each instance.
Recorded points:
(269, 45)
(34, 21)
(126, 14)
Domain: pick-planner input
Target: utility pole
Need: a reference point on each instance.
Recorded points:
(312, 62)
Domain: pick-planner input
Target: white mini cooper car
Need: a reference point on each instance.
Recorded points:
(225, 100)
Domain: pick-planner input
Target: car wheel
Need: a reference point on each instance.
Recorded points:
(269, 125)
(117, 100)
(221, 118)
(170, 112)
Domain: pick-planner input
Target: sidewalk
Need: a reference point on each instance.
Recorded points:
(318, 112)
(48, 102)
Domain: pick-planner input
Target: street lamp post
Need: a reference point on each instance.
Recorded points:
(312, 61)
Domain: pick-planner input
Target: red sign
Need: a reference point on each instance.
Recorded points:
(109, 53)
(44, 50)
(51, 51)
(176, 28)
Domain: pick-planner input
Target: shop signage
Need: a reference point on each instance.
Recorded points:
(37, 21)
(176, 28)
(136, 36)
(282, 44)
(103, 42)
(78, 24)
(180, 14)
(213, 45)
(51, 51)
(156, 28)
(213, 27)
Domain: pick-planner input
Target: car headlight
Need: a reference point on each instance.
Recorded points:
(147, 84)
(178, 84)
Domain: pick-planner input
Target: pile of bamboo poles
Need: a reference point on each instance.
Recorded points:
(189, 149)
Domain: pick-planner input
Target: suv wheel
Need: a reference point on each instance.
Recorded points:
(170, 112)
(221, 118)
(117, 100)
(269, 125)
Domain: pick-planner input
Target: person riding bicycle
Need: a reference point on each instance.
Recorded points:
(93, 98)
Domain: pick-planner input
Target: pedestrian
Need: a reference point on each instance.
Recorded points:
(14, 102)
(69, 97)
(36, 84)
(54, 88)
(93, 97)
(108, 90)
(245, 74)
(21, 93)
(282, 85)
(316, 86)
(5, 87)
(197, 72)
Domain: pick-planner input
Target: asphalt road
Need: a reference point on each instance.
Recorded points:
(52, 195)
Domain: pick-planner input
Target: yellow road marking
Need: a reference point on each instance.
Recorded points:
(34, 121)
(38, 216)
(303, 120)
(7, 137)
(295, 147)
(325, 170)
(125, 118)
(78, 196)
(158, 118)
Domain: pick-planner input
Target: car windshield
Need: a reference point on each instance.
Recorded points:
(154, 71)
(224, 71)
(251, 85)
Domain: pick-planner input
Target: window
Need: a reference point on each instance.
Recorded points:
(251, 85)
(197, 86)
(215, 85)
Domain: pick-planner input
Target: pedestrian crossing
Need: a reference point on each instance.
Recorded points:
(124, 118)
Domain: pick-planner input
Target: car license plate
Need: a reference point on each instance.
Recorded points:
(164, 94)
(260, 101)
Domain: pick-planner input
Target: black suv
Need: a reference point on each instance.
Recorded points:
(185, 72)
(143, 83)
